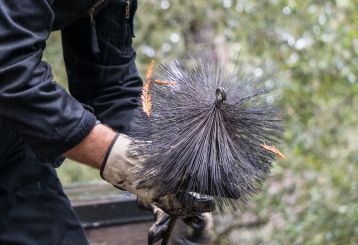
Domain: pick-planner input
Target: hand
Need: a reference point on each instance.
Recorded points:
(197, 232)
(119, 169)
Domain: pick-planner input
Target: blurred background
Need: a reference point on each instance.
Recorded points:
(309, 51)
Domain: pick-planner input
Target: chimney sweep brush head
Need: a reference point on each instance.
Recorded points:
(206, 132)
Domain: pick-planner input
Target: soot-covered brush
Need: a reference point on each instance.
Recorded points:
(205, 131)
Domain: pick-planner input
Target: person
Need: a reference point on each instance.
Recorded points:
(40, 123)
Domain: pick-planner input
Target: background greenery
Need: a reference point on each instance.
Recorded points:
(310, 48)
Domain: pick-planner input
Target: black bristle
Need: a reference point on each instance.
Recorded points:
(205, 132)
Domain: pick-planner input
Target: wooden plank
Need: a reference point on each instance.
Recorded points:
(100, 204)
(131, 234)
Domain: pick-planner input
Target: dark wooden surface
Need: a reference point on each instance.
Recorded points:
(130, 234)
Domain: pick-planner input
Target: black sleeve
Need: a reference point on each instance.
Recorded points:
(31, 104)
(109, 81)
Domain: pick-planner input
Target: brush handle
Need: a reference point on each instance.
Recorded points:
(171, 225)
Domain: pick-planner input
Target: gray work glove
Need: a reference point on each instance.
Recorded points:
(198, 230)
(119, 170)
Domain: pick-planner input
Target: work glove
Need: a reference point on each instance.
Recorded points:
(198, 229)
(119, 168)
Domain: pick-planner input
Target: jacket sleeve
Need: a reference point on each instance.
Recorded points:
(31, 104)
(108, 81)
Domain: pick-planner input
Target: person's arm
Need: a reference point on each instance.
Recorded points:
(93, 149)
(31, 104)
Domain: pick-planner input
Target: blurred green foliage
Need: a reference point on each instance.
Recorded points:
(310, 51)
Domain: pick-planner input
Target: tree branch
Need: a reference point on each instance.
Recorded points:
(254, 224)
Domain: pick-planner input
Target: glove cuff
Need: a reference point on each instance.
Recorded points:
(107, 155)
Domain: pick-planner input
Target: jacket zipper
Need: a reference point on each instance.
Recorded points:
(128, 16)
(93, 9)
(128, 9)
(94, 38)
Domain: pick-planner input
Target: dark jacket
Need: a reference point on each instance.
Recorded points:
(39, 110)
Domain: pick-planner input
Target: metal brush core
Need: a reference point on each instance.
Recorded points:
(220, 96)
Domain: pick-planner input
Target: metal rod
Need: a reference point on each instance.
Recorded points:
(171, 225)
